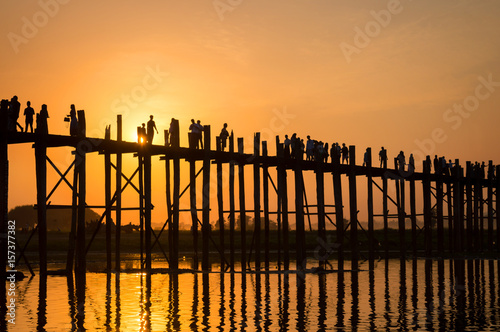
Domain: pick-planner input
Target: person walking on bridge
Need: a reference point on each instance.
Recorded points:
(150, 132)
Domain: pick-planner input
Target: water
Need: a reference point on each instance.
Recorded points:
(409, 295)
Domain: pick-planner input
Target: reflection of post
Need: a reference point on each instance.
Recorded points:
(194, 306)
(340, 299)
(301, 301)
(258, 303)
(108, 299)
(441, 296)
(355, 301)
(371, 291)
(232, 313)
(402, 293)
(322, 303)
(206, 300)
(429, 295)
(42, 303)
(117, 302)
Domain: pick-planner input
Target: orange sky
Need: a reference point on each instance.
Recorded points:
(370, 73)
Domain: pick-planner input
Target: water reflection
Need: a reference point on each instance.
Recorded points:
(395, 295)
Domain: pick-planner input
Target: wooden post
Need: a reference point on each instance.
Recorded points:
(107, 200)
(413, 212)
(283, 201)
(481, 212)
(426, 186)
(320, 196)
(74, 215)
(265, 189)
(497, 205)
(450, 214)
(400, 205)
(174, 230)
(385, 209)
(458, 198)
(220, 205)
(256, 198)
(300, 245)
(231, 203)
(476, 201)
(439, 212)
(339, 211)
(353, 209)
(4, 197)
(80, 240)
(194, 212)
(206, 200)
(371, 239)
(141, 206)
(41, 186)
(469, 218)
(118, 183)
(243, 218)
(490, 205)
(147, 207)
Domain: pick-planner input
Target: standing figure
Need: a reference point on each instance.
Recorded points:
(42, 125)
(224, 134)
(345, 154)
(365, 158)
(141, 134)
(382, 156)
(287, 146)
(172, 132)
(411, 163)
(200, 131)
(193, 137)
(401, 161)
(13, 112)
(309, 148)
(73, 125)
(29, 112)
(150, 132)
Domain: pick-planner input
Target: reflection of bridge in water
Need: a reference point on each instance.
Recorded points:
(468, 228)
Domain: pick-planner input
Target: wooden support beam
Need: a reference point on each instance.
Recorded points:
(439, 212)
(371, 239)
(81, 267)
(206, 200)
(476, 202)
(256, 199)
(220, 205)
(265, 190)
(4, 195)
(147, 207)
(243, 218)
(174, 229)
(141, 208)
(283, 201)
(353, 209)
(107, 200)
(458, 198)
(426, 187)
(339, 211)
(300, 245)
(232, 217)
(74, 216)
(413, 216)
(449, 198)
(118, 184)
(194, 210)
(491, 175)
(320, 197)
(469, 236)
(385, 209)
(41, 186)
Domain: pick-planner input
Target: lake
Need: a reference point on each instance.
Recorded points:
(414, 295)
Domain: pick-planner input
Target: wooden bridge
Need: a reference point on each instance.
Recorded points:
(461, 192)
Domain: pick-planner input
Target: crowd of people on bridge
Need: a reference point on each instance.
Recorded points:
(13, 113)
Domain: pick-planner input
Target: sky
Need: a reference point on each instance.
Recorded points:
(418, 76)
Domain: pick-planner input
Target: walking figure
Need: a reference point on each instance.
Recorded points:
(29, 112)
(224, 134)
(150, 132)
(13, 113)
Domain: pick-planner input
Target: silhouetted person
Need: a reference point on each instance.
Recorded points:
(29, 112)
(150, 132)
(411, 163)
(73, 125)
(193, 137)
(42, 125)
(293, 145)
(172, 132)
(287, 146)
(13, 113)
(200, 129)
(309, 148)
(437, 165)
(141, 134)
(382, 156)
(365, 158)
(325, 153)
(224, 134)
(401, 161)
(345, 154)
